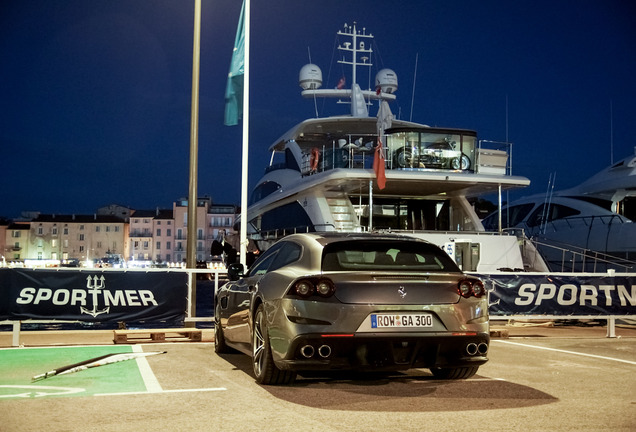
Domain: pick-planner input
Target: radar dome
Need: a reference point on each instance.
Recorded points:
(310, 77)
(386, 80)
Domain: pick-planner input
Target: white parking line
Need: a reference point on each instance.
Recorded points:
(150, 380)
(567, 352)
(35, 391)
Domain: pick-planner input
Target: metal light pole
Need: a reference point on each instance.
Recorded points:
(191, 252)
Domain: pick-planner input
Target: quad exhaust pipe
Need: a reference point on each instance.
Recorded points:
(324, 351)
(474, 349)
(482, 348)
(308, 351)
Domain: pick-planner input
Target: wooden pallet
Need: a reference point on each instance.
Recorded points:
(156, 335)
(499, 333)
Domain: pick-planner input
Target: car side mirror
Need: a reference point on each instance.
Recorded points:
(235, 271)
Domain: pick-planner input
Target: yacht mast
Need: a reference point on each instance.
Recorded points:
(357, 52)
(355, 49)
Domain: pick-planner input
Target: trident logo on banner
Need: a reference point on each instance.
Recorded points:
(94, 285)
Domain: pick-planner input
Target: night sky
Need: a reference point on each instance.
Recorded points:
(95, 95)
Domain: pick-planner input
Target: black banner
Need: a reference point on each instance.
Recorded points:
(562, 294)
(96, 296)
(131, 296)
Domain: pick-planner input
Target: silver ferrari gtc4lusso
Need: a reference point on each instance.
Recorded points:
(349, 301)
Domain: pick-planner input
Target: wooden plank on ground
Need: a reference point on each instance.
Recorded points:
(156, 335)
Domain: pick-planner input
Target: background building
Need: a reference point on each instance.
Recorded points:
(76, 237)
(163, 230)
(213, 221)
(141, 237)
(15, 241)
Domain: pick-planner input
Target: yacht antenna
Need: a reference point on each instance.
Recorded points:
(507, 118)
(545, 214)
(611, 132)
(414, 78)
(508, 143)
(315, 101)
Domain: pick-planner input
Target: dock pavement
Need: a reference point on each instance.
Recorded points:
(499, 329)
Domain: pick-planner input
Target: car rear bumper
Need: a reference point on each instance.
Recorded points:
(386, 351)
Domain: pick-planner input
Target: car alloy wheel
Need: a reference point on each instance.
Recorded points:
(265, 370)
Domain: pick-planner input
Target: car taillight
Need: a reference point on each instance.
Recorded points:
(478, 289)
(306, 288)
(467, 288)
(325, 288)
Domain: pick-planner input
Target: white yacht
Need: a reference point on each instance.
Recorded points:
(321, 174)
(590, 227)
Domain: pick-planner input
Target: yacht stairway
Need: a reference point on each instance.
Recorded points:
(342, 211)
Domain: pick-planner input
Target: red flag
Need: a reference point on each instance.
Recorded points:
(341, 83)
(378, 165)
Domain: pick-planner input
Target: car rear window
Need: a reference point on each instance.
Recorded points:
(386, 255)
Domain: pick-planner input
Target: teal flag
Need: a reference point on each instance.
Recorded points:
(234, 89)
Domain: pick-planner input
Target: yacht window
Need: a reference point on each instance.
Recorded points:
(415, 214)
(627, 208)
(555, 212)
(511, 217)
(290, 160)
(291, 216)
(263, 190)
(434, 149)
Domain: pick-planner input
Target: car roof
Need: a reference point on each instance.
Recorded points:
(334, 236)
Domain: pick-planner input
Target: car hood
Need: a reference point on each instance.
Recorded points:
(397, 288)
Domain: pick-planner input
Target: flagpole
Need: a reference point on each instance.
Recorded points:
(246, 123)
(370, 205)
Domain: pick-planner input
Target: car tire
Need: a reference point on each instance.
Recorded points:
(265, 370)
(220, 347)
(455, 373)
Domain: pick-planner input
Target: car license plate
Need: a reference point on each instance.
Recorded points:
(401, 320)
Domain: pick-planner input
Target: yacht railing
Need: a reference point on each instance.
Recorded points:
(446, 232)
(588, 221)
(280, 233)
(568, 258)
(276, 234)
(490, 157)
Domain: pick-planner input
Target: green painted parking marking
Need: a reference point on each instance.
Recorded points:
(19, 365)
